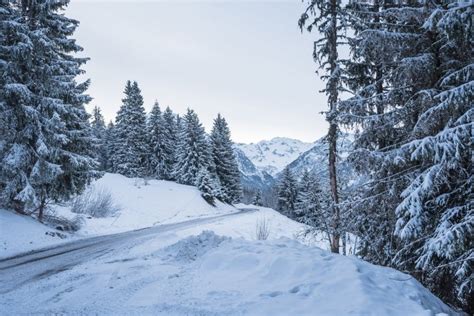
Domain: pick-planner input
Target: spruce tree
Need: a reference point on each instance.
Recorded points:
(328, 18)
(257, 200)
(156, 140)
(287, 193)
(313, 205)
(131, 150)
(46, 154)
(109, 146)
(307, 199)
(99, 132)
(170, 144)
(193, 151)
(435, 219)
(415, 143)
(206, 184)
(226, 168)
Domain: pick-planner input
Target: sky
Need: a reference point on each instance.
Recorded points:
(247, 60)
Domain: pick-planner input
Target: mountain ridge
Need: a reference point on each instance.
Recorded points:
(272, 156)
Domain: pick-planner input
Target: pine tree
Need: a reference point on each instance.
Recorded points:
(328, 19)
(380, 36)
(99, 131)
(226, 168)
(415, 142)
(131, 151)
(313, 205)
(97, 120)
(109, 145)
(287, 193)
(206, 184)
(47, 153)
(170, 144)
(435, 219)
(257, 200)
(156, 139)
(308, 188)
(193, 152)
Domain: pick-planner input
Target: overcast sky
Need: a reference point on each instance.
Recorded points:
(245, 59)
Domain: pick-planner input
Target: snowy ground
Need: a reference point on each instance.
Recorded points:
(207, 275)
(193, 260)
(141, 205)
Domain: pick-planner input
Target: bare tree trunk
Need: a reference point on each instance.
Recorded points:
(41, 208)
(332, 135)
(344, 242)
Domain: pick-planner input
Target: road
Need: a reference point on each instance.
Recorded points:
(24, 268)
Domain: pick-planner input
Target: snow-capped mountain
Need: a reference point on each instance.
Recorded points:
(315, 159)
(272, 156)
(251, 177)
(260, 164)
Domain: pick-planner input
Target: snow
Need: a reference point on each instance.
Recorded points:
(213, 275)
(20, 233)
(272, 156)
(147, 203)
(195, 260)
(142, 204)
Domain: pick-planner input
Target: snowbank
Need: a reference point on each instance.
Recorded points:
(245, 226)
(283, 277)
(213, 275)
(21, 233)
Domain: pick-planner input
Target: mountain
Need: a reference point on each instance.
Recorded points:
(260, 164)
(251, 176)
(272, 156)
(315, 159)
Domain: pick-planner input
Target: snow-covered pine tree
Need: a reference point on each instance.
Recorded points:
(206, 184)
(99, 131)
(226, 168)
(156, 140)
(15, 44)
(307, 188)
(257, 200)
(170, 144)
(328, 18)
(435, 219)
(417, 149)
(193, 151)
(97, 120)
(131, 151)
(382, 33)
(109, 145)
(312, 205)
(47, 154)
(287, 193)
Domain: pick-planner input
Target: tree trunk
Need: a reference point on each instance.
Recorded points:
(332, 135)
(41, 208)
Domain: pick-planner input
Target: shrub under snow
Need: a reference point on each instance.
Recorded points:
(96, 202)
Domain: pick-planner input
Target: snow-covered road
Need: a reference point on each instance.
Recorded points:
(30, 267)
(186, 269)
